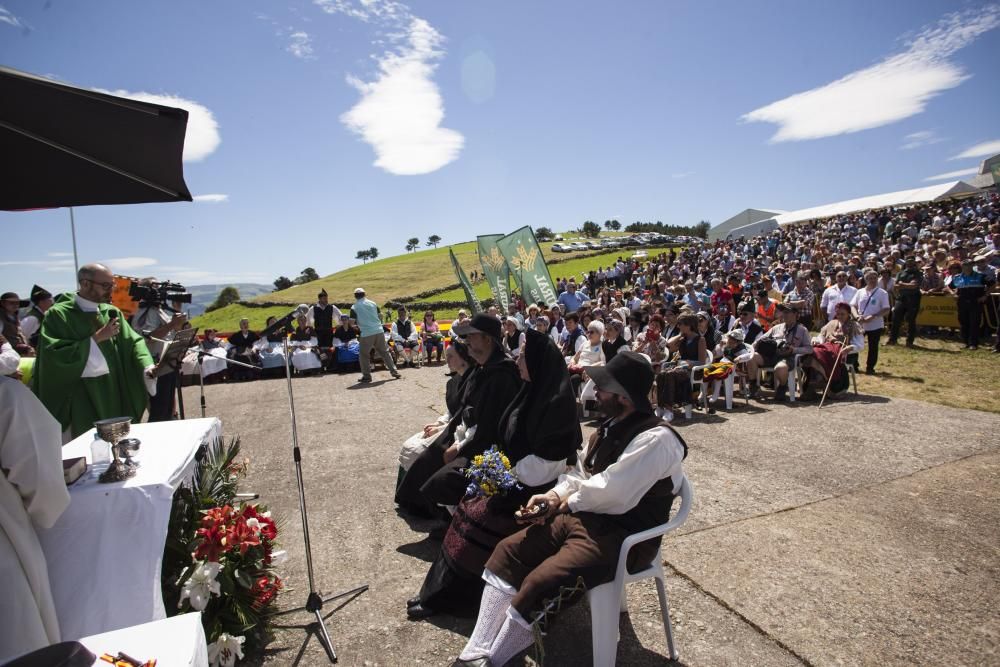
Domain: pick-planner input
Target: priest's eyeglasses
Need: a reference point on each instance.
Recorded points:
(107, 285)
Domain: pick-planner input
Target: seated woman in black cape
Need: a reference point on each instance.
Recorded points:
(460, 365)
(540, 434)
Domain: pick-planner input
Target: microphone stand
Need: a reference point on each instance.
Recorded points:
(314, 602)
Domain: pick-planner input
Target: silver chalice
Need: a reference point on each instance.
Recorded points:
(112, 431)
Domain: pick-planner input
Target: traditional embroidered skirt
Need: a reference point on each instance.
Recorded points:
(454, 582)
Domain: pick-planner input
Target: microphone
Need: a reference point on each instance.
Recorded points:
(285, 321)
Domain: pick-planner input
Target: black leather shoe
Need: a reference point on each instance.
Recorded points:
(413, 602)
(418, 611)
(477, 662)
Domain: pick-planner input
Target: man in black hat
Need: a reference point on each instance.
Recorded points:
(10, 304)
(626, 483)
(31, 324)
(492, 386)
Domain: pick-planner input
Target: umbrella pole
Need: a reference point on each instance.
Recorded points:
(72, 229)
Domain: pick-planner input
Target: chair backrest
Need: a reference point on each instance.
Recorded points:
(686, 495)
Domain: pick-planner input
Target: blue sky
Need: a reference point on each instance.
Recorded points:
(322, 127)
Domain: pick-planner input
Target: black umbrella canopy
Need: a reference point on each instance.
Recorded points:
(66, 146)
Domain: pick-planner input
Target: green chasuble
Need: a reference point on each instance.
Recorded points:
(63, 348)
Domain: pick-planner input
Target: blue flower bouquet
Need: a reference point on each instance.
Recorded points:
(489, 474)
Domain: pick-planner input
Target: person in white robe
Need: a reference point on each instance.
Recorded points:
(32, 493)
(305, 347)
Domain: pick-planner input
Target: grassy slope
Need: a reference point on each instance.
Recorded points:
(392, 277)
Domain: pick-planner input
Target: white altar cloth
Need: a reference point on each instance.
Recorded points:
(178, 641)
(105, 551)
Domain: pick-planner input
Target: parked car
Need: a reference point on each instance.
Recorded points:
(593, 245)
(559, 237)
(640, 254)
(577, 246)
(559, 247)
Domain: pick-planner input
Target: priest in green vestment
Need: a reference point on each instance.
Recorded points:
(91, 364)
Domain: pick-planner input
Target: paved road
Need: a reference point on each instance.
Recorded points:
(867, 532)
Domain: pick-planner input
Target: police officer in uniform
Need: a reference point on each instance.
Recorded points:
(970, 289)
(907, 306)
(324, 315)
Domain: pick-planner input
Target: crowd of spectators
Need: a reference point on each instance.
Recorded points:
(856, 280)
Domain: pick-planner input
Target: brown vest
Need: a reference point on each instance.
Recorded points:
(607, 445)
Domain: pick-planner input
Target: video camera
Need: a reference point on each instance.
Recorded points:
(152, 293)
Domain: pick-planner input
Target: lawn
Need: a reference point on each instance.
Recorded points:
(938, 371)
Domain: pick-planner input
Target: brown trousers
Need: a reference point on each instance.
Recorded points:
(542, 558)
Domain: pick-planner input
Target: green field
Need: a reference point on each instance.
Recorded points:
(399, 278)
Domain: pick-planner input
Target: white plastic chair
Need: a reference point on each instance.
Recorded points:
(699, 382)
(793, 371)
(608, 600)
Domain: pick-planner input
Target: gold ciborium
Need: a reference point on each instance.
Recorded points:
(112, 431)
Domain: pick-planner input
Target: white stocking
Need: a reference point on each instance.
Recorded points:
(492, 614)
(515, 636)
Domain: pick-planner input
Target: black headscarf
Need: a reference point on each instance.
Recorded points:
(542, 418)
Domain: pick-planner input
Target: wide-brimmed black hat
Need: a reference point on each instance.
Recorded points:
(481, 323)
(629, 374)
(39, 294)
(12, 296)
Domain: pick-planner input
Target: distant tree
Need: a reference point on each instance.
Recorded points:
(307, 275)
(433, 240)
(615, 225)
(363, 255)
(372, 252)
(607, 225)
(590, 229)
(412, 244)
(282, 282)
(701, 229)
(544, 234)
(227, 296)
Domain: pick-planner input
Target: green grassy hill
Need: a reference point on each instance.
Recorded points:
(398, 278)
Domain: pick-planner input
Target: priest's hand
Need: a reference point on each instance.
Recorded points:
(450, 454)
(108, 331)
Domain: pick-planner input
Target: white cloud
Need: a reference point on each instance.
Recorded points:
(400, 112)
(954, 175)
(202, 136)
(213, 198)
(896, 88)
(401, 109)
(920, 139)
(985, 149)
(300, 45)
(681, 174)
(366, 10)
(44, 264)
(10, 19)
(128, 263)
(58, 254)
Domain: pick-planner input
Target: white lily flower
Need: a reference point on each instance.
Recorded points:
(201, 585)
(253, 524)
(226, 650)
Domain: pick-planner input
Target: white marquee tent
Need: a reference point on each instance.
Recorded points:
(930, 193)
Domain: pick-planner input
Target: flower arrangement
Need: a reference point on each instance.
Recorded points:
(220, 557)
(489, 474)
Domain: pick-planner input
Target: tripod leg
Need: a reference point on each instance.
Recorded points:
(324, 637)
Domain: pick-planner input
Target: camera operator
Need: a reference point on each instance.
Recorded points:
(154, 322)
